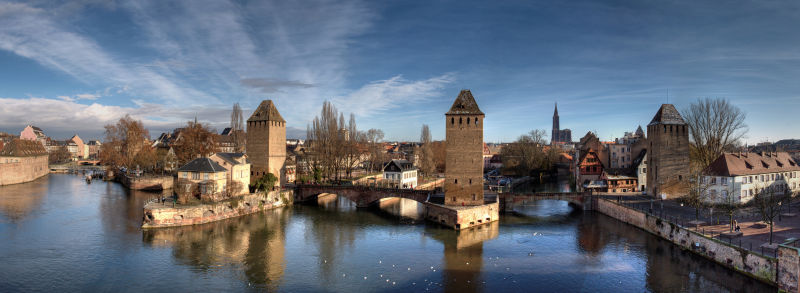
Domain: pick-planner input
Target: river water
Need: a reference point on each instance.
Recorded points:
(60, 234)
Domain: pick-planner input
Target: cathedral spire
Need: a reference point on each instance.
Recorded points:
(555, 114)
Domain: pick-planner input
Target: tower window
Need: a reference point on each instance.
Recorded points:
(470, 181)
(467, 120)
(476, 120)
(455, 181)
(452, 120)
(460, 120)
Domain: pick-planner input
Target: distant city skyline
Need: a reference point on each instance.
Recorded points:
(74, 67)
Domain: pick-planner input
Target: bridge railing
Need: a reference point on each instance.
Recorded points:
(362, 188)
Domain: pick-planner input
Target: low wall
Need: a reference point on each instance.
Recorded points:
(147, 183)
(462, 217)
(788, 268)
(757, 266)
(157, 215)
(25, 170)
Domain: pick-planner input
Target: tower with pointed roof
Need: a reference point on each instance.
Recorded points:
(266, 141)
(555, 134)
(667, 153)
(464, 148)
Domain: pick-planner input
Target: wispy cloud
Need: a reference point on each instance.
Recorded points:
(271, 85)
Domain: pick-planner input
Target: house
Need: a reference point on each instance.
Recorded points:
(93, 148)
(640, 164)
(77, 148)
(31, 132)
(619, 180)
(210, 177)
(743, 175)
(238, 167)
(400, 173)
(589, 168)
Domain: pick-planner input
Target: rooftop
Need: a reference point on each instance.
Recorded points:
(464, 104)
(202, 165)
(737, 164)
(667, 114)
(266, 111)
(23, 148)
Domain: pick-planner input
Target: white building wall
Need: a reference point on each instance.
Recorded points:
(744, 188)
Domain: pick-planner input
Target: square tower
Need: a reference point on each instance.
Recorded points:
(667, 153)
(266, 141)
(464, 152)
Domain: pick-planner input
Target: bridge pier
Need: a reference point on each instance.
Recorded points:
(462, 217)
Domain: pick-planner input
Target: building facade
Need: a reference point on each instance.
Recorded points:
(464, 149)
(238, 167)
(266, 141)
(559, 135)
(400, 173)
(668, 153)
(738, 177)
(210, 177)
(31, 132)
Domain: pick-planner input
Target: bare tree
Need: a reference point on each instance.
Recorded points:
(729, 205)
(377, 155)
(528, 154)
(194, 141)
(123, 141)
(427, 166)
(768, 201)
(699, 192)
(237, 128)
(60, 155)
(715, 126)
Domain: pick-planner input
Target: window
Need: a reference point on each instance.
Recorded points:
(724, 181)
(460, 120)
(467, 120)
(196, 176)
(452, 120)
(455, 181)
(713, 180)
(205, 176)
(185, 175)
(476, 120)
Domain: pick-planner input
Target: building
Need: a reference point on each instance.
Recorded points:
(22, 160)
(668, 153)
(93, 148)
(640, 164)
(210, 177)
(464, 149)
(740, 176)
(266, 141)
(238, 167)
(619, 180)
(589, 167)
(623, 150)
(400, 173)
(77, 148)
(559, 135)
(31, 132)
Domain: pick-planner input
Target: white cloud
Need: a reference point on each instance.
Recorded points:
(393, 93)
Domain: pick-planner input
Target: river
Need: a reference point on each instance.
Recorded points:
(60, 234)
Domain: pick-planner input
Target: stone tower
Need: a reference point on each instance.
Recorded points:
(464, 152)
(266, 141)
(555, 135)
(667, 153)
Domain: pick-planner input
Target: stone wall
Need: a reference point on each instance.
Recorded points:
(757, 266)
(147, 183)
(788, 268)
(25, 169)
(266, 148)
(462, 217)
(667, 159)
(157, 215)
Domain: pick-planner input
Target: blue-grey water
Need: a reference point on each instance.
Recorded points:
(59, 234)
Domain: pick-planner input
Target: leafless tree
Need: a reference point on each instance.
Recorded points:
(377, 155)
(715, 126)
(729, 205)
(237, 128)
(528, 154)
(123, 142)
(699, 194)
(194, 141)
(427, 165)
(767, 201)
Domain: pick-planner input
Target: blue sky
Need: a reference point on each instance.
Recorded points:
(71, 67)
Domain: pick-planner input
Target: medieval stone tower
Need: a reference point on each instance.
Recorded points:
(667, 153)
(464, 152)
(266, 141)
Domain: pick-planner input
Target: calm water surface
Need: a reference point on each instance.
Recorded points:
(60, 234)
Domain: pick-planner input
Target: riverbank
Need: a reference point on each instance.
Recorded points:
(160, 215)
(754, 265)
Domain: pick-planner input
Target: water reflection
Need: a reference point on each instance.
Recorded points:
(561, 185)
(463, 256)
(19, 200)
(255, 242)
(406, 209)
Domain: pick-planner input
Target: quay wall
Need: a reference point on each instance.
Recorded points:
(147, 183)
(754, 265)
(14, 170)
(157, 215)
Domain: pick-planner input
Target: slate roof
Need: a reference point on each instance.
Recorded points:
(231, 158)
(639, 158)
(738, 164)
(403, 165)
(667, 114)
(266, 111)
(464, 104)
(226, 131)
(202, 165)
(23, 148)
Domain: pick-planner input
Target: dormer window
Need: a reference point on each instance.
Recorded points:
(748, 166)
(764, 164)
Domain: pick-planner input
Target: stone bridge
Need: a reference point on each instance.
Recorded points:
(363, 196)
(583, 201)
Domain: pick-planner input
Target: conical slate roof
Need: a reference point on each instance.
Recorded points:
(266, 111)
(667, 114)
(464, 104)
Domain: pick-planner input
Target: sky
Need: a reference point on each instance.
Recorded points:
(71, 67)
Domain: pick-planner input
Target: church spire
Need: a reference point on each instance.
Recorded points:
(555, 114)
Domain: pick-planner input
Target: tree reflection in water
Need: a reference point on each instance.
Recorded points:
(256, 242)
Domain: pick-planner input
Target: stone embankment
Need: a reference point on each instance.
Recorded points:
(147, 182)
(158, 215)
(755, 265)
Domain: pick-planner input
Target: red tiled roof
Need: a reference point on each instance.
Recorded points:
(737, 164)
